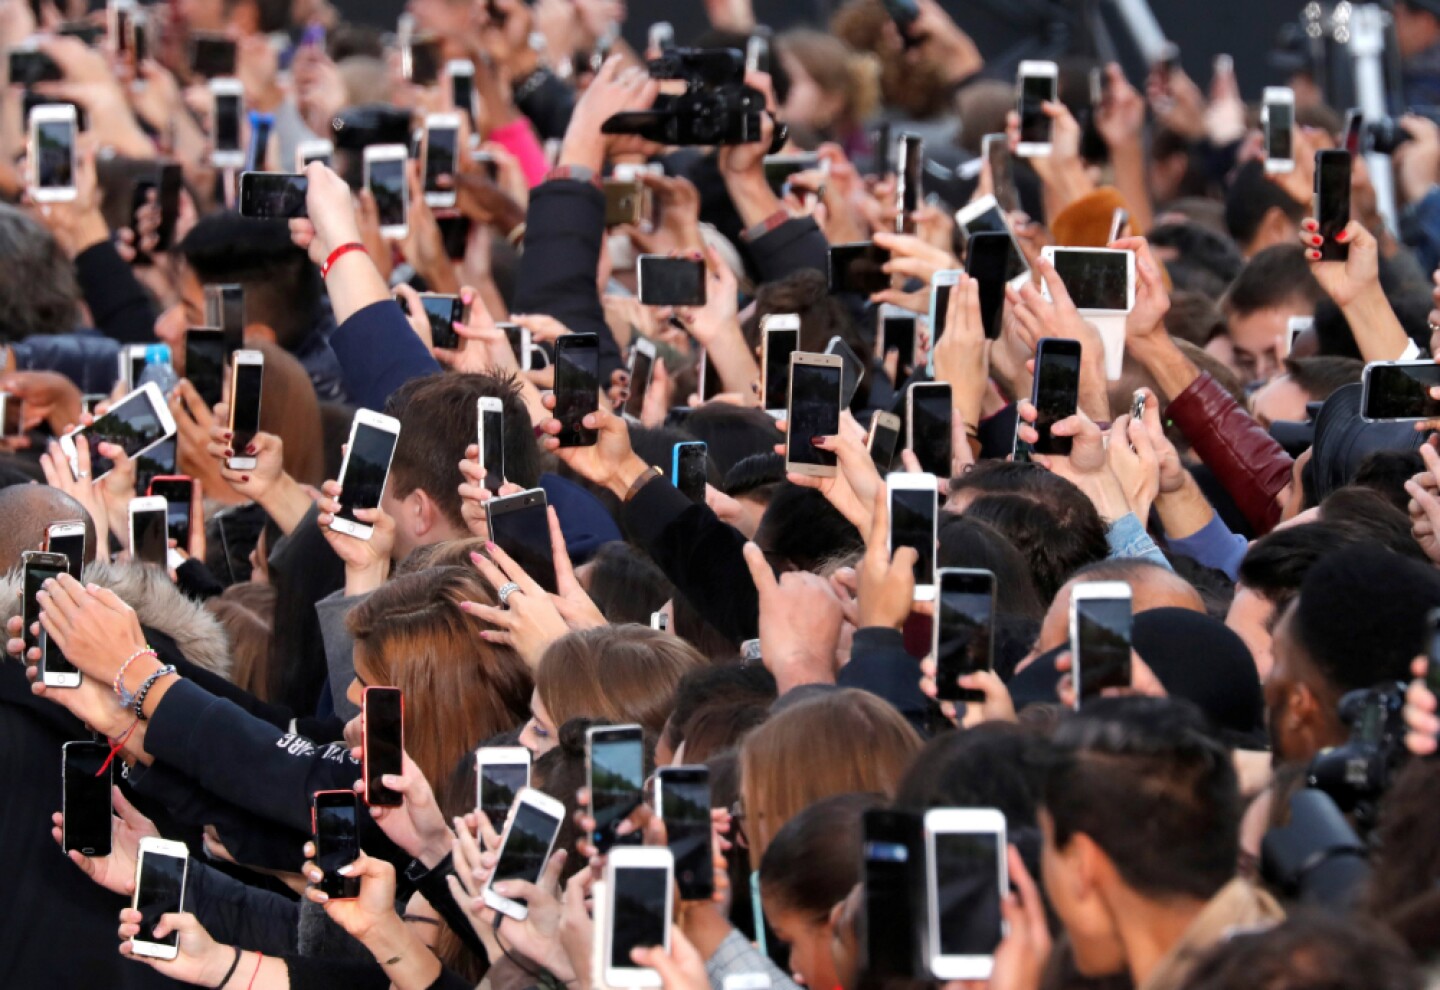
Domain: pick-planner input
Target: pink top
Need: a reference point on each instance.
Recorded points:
(518, 138)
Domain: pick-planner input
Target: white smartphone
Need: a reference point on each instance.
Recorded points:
(364, 470)
(314, 151)
(384, 176)
(68, 538)
(520, 344)
(461, 73)
(132, 364)
(746, 981)
(524, 848)
(660, 621)
(247, 379)
(816, 390)
(490, 440)
(136, 423)
(1038, 84)
(779, 338)
(160, 869)
(984, 216)
(1100, 618)
(228, 151)
(965, 882)
(1099, 280)
(50, 155)
(942, 283)
(1294, 327)
(642, 369)
(1277, 119)
(148, 534)
(639, 883)
(501, 773)
(441, 157)
(914, 511)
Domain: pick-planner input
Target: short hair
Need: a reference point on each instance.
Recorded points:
(1120, 763)
(756, 476)
(814, 860)
(28, 510)
(802, 528)
(1312, 950)
(1194, 317)
(1272, 278)
(624, 584)
(994, 765)
(1207, 260)
(1319, 377)
(733, 433)
(806, 293)
(1251, 196)
(438, 421)
(1384, 472)
(1132, 570)
(966, 541)
(722, 684)
(1276, 564)
(39, 293)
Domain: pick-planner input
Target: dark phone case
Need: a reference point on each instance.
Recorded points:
(379, 796)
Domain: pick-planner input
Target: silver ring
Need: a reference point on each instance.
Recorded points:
(505, 591)
(82, 474)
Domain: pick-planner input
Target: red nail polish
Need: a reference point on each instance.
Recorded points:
(1316, 240)
(249, 448)
(229, 452)
(1343, 236)
(229, 436)
(817, 441)
(244, 477)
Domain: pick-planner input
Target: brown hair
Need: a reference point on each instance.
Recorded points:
(459, 688)
(614, 673)
(833, 742)
(837, 69)
(247, 613)
(916, 86)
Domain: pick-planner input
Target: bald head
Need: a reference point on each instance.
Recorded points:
(28, 510)
(1151, 586)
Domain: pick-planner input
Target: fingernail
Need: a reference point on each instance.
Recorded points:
(229, 436)
(244, 478)
(1313, 255)
(456, 325)
(344, 871)
(817, 441)
(1316, 240)
(491, 546)
(229, 452)
(1343, 236)
(250, 448)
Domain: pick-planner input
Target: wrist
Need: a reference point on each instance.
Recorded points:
(1109, 497)
(584, 150)
(386, 938)
(435, 848)
(799, 667)
(753, 198)
(626, 475)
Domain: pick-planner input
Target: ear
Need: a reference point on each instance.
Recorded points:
(259, 333)
(1090, 869)
(1275, 228)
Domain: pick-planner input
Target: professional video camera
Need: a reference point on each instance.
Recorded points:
(716, 107)
(1317, 858)
(1356, 774)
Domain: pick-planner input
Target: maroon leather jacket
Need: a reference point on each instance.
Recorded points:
(1252, 466)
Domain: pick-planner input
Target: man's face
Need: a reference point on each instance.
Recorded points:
(1288, 739)
(1250, 617)
(1279, 401)
(1256, 338)
(1087, 920)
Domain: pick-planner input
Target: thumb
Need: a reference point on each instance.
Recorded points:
(760, 570)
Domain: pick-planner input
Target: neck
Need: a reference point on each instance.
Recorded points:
(1150, 929)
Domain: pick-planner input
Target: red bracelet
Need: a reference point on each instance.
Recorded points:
(251, 985)
(337, 254)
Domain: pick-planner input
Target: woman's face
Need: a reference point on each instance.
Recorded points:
(809, 941)
(539, 735)
(805, 103)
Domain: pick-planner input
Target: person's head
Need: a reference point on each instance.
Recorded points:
(732, 433)
(617, 674)
(1313, 950)
(460, 689)
(1117, 765)
(625, 585)
(1175, 171)
(1151, 586)
(752, 483)
(801, 530)
(1274, 285)
(983, 105)
(918, 86)
(969, 542)
(1384, 472)
(1417, 26)
(1306, 380)
(443, 18)
(247, 612)
(807, 870)
(437, 423)
(38, 290)
(1358, 622)
(994, 765)
(1259, 213)
(1405, 864)
(829, 742)
(28, 511)
(706, 687)
(832, 87)
(1199, 260)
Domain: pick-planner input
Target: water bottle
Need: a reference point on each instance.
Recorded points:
(158, 369)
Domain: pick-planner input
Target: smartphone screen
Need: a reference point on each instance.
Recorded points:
(384, 733)
(462, 86)
(337, 841)
(685, 807)
(1102, 630)
(858, 268)
(1002, 174)
(157, 461)
(520, 526)
(132, 424)
(689, 470)
(29, 66)
(642, 363)
(148, 527)
(499, 784)
(1057, 391)
(987, 261)
(640, 921)
(38, 568)
(212, 57)
(992, 221)
(492, 448)
(617, 777)
(387, 185)
(159, 891)
(577, 386)
(442, 147)
(178, 495)
(912, 524)
(273, 196)
(442, 312)
(930, 428)
(1280, 121)
(671, 281)
(884, 443)
(366, 470)
(205, 354)
(55, 146)
(227, 122)
(1401, 391)
(72, 547)
(892, 859)
(964, 617)
(1332, 202)
(780, 343)
(249, 379)
(1432, 668)
(87, 798)
(939, 308)
(967, 887)
(899, 335)
(814, 412)
(1095, 279)
(527, 845)
(1034, 92)
(912, 164)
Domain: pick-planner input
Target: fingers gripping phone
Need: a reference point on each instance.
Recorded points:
(682, 799)
(86, 811)
(577, 387)
(247, 378)
(501, 773)
(160, 870)
(365, 470)
(615, 774)
(1100, 622)
(963, 630)
(1399, 391)
(1056, 391)
(136, 423)
(914, 508)
(638, 885)
(335, 823)
(37, 567)
(525, 848)
(382, 726)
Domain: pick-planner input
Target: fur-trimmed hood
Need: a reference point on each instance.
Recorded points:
(159, 605)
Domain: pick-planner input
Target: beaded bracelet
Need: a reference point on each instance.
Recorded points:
(145, 690)
(126, 698)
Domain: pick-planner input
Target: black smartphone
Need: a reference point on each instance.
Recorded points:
(858, 268)
(157, 461)
(987, 260)
(963, 630)
(520, 525)
(170, 181)
(642, 367)
(455, 232)
(273, 195)
(683, 799)
(909, 182)
(1056, 391)
(423, 61)
(382, 726)
(1100, 620)
(212, 56)
(261, 124)
(891, 916)
(335, 821)
(205, 355)
(1393, 391)
(929, 415)
(897, 333)
(442, 312)
(1354, 130)
(663, 281)
(87, 803)
(615, 774)
(29, 66)
(37, 567)
(577, 387)
(851, 366)
(992, 221)
(1332, 201)
(688, 462)
(178, 491)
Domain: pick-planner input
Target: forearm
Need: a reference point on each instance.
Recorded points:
(1185, 512)
(353, 284)
(1066, 184)
(730, 358)
(753, 198)
(1377, 331)
(406, 960)
(1172, 370)
(286, 503)
(1128, 160)
(1094, 397)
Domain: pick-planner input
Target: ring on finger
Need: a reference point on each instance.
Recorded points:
(505, 591)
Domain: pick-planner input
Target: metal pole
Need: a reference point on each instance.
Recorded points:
(1367, 49)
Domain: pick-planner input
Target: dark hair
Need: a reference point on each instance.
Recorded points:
(719, 685)
(39, 293)
(1276, 564)
(1312, 950)
(814, 860)
(1318, 377)
(800, 527)
(656, 446)
(691, 626)
(806, 293)
(721, 728)
(1405, 861)
(1195, 318)
(1384, 473)
(994, 765)
(1333, 333)
(624, 584)
(1123, 763)
(1272, 277)
(1251, 196)
(755, 476)
(967, 541)
(1208, 261)
(732, 433)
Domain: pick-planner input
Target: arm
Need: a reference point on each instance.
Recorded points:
(1126, 537)
(518, 138)
(1213, 545)
(119, 305)
(1121, 122)
(784, 249)
(880, 665)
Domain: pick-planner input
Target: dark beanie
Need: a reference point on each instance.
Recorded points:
(1200, 659)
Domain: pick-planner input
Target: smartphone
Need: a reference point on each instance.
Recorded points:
(131, 361)
(119, 14)
(225, 308)
(501, 773)
(1354, 132)
(518, 338)
(963, 630)
(205, 355)
(928, 416)
(780, 338)
(909, 173)
(779, 169)
(816, 381)
(68, 539)
(441, 157)
(883, 441)
(442, 311)
(987, 259)
(37, 567)
(169, 181)
(212, 55)
(86, 809)
(382, 727)
(858, 268)
(664, 281)
(314, 151)
(136, 423)
(50, 155)
(273, 195)
(490, 440)
(757, 53)
(1038, 85)
(1278, 120)
(891, 920)
(660, 621)
(642, 368)
(965, 883)
(682, 801)
(461, 72)
(1397, 391)
(1332, 201)
(1119, 222)
(624, 202)
(852, 367)
(178, 491)
(983, 216)
(366, 467)
(577, 387)
(420, 61)
(1099, 637)
(525, 848)
(615, 774)
(12, 415)
(996, 150)
(30, 66)
(688, 461)
(1294, 327)
(384, 176)
(229, 96)
(638, 885)
(1099, 280)
(896, 332)
(335, 823)
(154, 463)
(914, 512)
(247, 378)
(747, 981)
(148, 527)
(1056, 391)
(160, 869)
(942, 285)
(520, 525)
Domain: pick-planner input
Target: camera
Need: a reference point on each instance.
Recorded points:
(1317, 858)
(1385, 136)
(1356, 774)
(715, 108)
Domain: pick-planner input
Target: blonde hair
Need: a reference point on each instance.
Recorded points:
(838, 69)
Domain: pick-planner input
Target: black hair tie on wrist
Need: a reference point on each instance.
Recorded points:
(234, 965)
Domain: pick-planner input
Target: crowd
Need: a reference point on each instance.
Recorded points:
(1230, 785)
